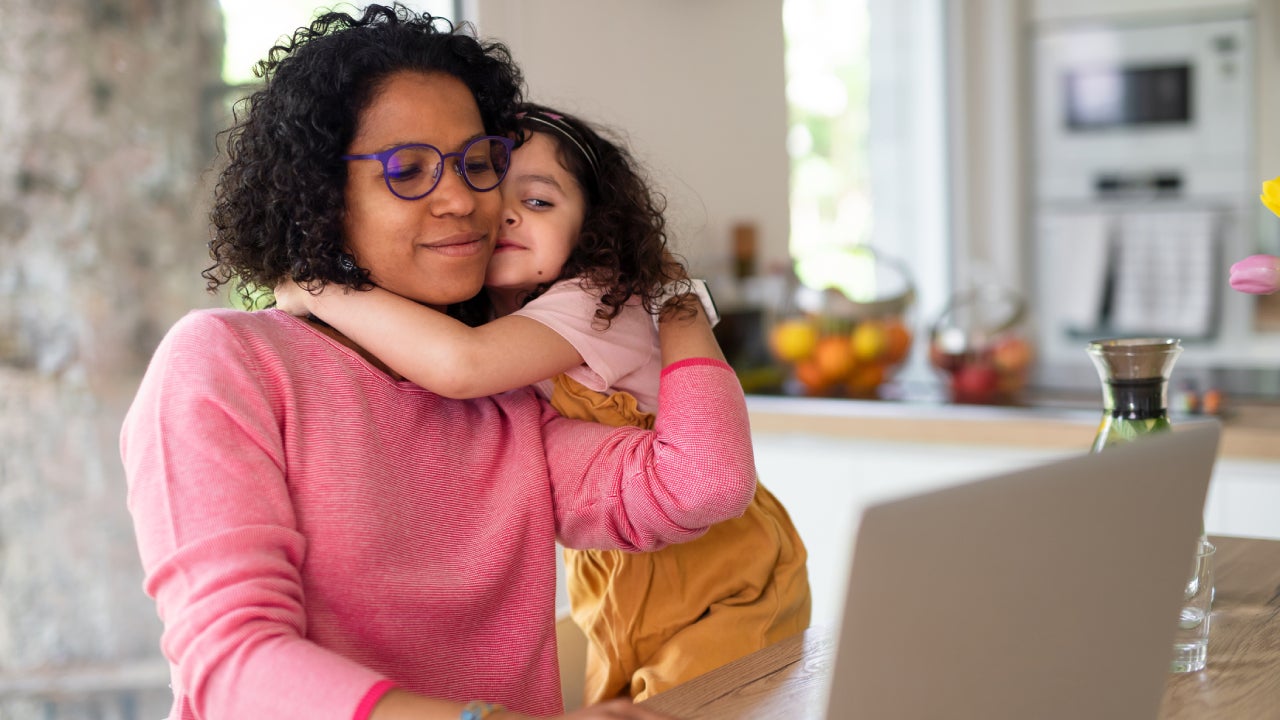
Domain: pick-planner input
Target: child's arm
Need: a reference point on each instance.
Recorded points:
(686, 336)
(435, 351)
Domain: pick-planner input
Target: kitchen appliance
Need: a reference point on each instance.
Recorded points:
(1144, 187)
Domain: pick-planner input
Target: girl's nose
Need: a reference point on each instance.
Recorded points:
(509, 216)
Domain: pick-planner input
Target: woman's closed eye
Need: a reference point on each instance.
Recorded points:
(404, 173)
(480, 168)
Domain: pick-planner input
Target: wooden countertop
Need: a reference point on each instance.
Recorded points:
(1250, 431)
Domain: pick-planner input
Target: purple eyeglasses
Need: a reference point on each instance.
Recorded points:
(413, 171)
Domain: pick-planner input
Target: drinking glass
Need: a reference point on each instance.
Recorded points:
(1191, 643)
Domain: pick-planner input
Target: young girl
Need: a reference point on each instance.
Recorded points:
(577, 275)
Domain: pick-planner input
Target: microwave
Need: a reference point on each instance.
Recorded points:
(1142, 110)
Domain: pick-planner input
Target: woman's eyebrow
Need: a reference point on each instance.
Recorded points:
(402, 143)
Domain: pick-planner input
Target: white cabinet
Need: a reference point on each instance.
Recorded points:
(824, 482)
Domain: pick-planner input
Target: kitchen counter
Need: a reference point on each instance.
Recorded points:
(1251, 429)
(825, 459)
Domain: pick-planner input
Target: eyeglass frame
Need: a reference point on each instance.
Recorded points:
(458, 168)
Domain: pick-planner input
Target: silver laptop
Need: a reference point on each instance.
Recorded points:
(1046, 593)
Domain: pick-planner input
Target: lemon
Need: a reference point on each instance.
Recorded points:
(869, 341)
(793, 340)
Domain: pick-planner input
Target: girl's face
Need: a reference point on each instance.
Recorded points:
(434, 249)
(543, 207)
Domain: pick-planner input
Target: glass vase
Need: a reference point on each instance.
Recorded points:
(1135, 387)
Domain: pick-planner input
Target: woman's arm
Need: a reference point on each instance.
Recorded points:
(218, 538)
(641, 490)
(432, 349)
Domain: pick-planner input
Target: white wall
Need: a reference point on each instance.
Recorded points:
(698, 87)
(986, 143)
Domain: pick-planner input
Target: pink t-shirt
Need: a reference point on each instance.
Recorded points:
(624, 356)
(311, 528)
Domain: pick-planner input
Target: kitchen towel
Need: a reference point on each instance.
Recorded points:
(1164, 273)
(1077, 246)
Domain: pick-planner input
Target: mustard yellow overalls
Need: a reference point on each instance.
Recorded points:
(654, 620)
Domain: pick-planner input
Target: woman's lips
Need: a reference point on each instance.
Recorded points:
(459, 245)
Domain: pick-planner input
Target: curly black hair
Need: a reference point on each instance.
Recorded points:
(279, 203)
(622, 250)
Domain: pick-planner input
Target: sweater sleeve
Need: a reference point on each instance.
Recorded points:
(641, 490)
(218, 538)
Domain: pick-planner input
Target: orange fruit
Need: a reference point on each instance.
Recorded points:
(897, 341)
(811, 377)
(834, 357)
(866, 378)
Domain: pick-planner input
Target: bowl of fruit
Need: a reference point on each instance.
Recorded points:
(979, 343)
(837, 342)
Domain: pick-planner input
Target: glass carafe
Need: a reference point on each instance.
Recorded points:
(1135, 387)
(1135, 393)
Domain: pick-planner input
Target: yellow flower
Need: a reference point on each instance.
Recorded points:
(1271, 195)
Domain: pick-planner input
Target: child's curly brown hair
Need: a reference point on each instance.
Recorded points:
(622, 250)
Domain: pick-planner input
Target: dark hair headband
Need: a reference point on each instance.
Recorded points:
(565, 130)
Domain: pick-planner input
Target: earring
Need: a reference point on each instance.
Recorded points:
(347, 262)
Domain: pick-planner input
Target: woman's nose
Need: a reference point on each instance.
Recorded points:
(452, 196)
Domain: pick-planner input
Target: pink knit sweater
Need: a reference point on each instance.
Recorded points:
(312, 529)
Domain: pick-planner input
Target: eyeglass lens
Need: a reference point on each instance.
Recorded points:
(414, 170)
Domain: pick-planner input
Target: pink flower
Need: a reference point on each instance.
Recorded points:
(1256, 275)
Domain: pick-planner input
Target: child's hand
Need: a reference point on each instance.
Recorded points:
(292, 298)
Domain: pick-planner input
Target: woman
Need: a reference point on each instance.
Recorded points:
(324, 539)
(575, 279)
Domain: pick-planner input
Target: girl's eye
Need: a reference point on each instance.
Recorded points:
(538, 203)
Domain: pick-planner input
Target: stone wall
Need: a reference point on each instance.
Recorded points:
(107, 114)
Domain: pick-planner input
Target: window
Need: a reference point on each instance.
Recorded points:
(253, 26)
(866, 95)
(827, 66)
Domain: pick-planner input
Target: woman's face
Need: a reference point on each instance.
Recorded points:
(542, 211)
(434, 249)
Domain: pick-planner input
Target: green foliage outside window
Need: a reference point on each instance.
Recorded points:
(827, 67)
